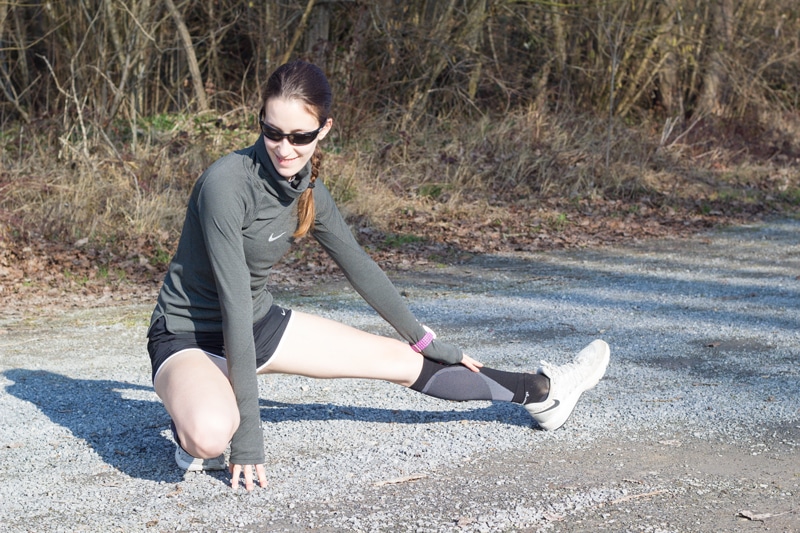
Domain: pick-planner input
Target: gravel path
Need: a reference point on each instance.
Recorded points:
(696, 426)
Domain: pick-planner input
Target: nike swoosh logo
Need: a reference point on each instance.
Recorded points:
(272, 236)
(556, 403)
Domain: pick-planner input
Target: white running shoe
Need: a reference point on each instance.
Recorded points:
(567, 383)
(191, 463)
(195, 464)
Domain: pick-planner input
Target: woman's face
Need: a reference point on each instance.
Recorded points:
(291, 116)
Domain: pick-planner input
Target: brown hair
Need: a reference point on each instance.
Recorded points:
(307, 83)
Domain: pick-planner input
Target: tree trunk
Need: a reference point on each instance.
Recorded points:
(318, 34)
(191, 57)
(669, 89)
(711, 99)
(559, 39)
(474, 28)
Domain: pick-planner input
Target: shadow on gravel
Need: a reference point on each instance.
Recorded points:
(675, 279)
(656, 291)
(277, 412)
(125, 433)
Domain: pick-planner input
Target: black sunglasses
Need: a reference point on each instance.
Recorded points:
(298, 139)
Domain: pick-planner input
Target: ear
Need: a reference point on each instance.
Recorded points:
(324, 131)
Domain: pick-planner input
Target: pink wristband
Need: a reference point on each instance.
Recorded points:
(424, 341)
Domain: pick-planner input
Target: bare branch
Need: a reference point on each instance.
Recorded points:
(191, 57)
(298, 32)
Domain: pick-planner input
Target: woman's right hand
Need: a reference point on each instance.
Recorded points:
(236, 470)
(471, 363)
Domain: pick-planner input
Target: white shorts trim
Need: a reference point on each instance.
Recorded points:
(218, 360)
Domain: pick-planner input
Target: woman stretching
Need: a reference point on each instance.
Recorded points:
(215, 326)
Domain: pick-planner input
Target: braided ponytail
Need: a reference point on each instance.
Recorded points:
(305, 204)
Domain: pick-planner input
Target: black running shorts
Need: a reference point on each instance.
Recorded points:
(163, 344)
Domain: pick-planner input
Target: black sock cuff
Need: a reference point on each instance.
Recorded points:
(429, 368)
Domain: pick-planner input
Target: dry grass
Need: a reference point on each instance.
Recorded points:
(121, 191)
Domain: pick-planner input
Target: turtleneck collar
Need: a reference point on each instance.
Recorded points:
(280, 186)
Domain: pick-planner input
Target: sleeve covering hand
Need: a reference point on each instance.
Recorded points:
(444, 352)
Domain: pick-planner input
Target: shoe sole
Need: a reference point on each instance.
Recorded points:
(205, 465)
(556, 422)
(192, 466)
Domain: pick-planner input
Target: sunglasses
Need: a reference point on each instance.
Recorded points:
(297, 139)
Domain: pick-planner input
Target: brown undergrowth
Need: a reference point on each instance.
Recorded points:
(42, 275)
(97, 227)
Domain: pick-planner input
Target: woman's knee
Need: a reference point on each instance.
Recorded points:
(206, 435)
(206, 416)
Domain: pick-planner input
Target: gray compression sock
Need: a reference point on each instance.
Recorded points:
(457, 382)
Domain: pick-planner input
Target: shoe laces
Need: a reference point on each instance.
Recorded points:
(560, 372)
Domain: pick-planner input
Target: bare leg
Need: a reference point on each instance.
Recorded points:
(198, 395)
(321, 348)
(199, 398)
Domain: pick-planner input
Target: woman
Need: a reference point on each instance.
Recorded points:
(215, 326)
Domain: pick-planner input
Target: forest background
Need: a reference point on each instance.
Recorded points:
(461, 126)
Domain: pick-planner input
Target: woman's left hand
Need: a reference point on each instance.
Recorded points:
(248, 476)
(471, 363)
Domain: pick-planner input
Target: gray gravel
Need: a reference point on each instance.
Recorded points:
(696, 426)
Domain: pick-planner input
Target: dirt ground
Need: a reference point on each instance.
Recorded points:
(682, 484)
(704, 437)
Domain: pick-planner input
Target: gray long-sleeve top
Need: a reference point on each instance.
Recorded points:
(239, 222)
